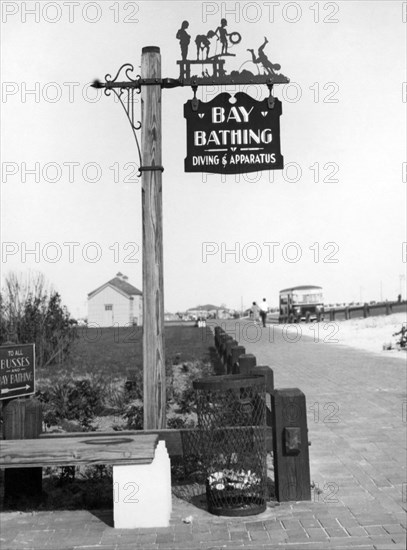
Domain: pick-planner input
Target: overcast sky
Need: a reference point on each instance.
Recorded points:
(69, 160)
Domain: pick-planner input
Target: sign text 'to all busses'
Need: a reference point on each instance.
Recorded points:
(17, 370)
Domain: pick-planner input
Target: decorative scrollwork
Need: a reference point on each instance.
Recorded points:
(127, 68)
(130, 68)
(125, 94)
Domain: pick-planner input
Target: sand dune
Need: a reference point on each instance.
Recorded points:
(371, 333)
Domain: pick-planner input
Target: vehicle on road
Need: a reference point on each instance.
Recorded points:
(301, 304)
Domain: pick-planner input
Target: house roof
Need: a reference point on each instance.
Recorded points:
(119, 284)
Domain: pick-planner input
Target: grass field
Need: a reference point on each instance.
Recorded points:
(100, 385)
(114, 352)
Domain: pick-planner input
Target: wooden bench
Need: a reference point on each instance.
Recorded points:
(141, 469)
(79, 449)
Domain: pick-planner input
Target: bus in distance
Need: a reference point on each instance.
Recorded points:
(301, 304)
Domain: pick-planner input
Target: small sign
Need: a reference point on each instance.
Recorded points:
(233, 135)
(17, 370)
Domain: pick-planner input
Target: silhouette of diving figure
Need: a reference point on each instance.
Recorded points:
(263, 59)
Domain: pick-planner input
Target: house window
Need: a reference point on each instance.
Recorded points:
(108, 307)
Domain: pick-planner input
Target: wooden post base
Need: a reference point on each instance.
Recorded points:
(22, 420)
(290, 445)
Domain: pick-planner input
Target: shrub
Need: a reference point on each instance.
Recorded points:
(186, 402)
(179, 423)
(80, 400)
(134, 416)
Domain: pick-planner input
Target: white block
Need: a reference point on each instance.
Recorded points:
(142, 493)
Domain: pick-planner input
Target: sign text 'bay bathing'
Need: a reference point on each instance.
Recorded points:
(233, 135)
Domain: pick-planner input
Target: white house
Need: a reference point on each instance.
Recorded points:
(117, 302)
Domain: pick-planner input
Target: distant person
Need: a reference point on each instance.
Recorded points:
(255, 313)
(184, 39)
(264, 309)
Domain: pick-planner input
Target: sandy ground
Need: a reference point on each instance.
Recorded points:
(368, 334)
(371, 333)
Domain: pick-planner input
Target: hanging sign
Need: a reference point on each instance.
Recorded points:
(233, 135)
(17, 370)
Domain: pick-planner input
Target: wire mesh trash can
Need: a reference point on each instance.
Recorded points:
(232, 435)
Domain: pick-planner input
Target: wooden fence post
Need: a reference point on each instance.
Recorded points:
(268, 373)
(365, 311)
(223, 347)
(218, 332)
(246, 363)
(228, 350)
(235, 353)
(222, 338)
(22, 420)
(290, 445)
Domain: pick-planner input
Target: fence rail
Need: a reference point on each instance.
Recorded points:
(367, 310)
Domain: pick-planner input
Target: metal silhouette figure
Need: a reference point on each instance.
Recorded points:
(203, 44)
(262, 58)
(222, 35)
(184, 39)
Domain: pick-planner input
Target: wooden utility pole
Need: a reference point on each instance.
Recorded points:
(153, 287)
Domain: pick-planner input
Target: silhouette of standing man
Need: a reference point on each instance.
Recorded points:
(184, 39)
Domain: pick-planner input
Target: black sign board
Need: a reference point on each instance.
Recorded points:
(233, 135)
(17, 370)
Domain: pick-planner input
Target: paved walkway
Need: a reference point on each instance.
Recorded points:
(356, 405)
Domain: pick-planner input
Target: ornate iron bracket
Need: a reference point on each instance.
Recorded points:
(124, 91)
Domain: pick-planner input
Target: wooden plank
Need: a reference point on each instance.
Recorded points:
(172, 438)
(153, 285)
(177, 442)
(68, 451)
